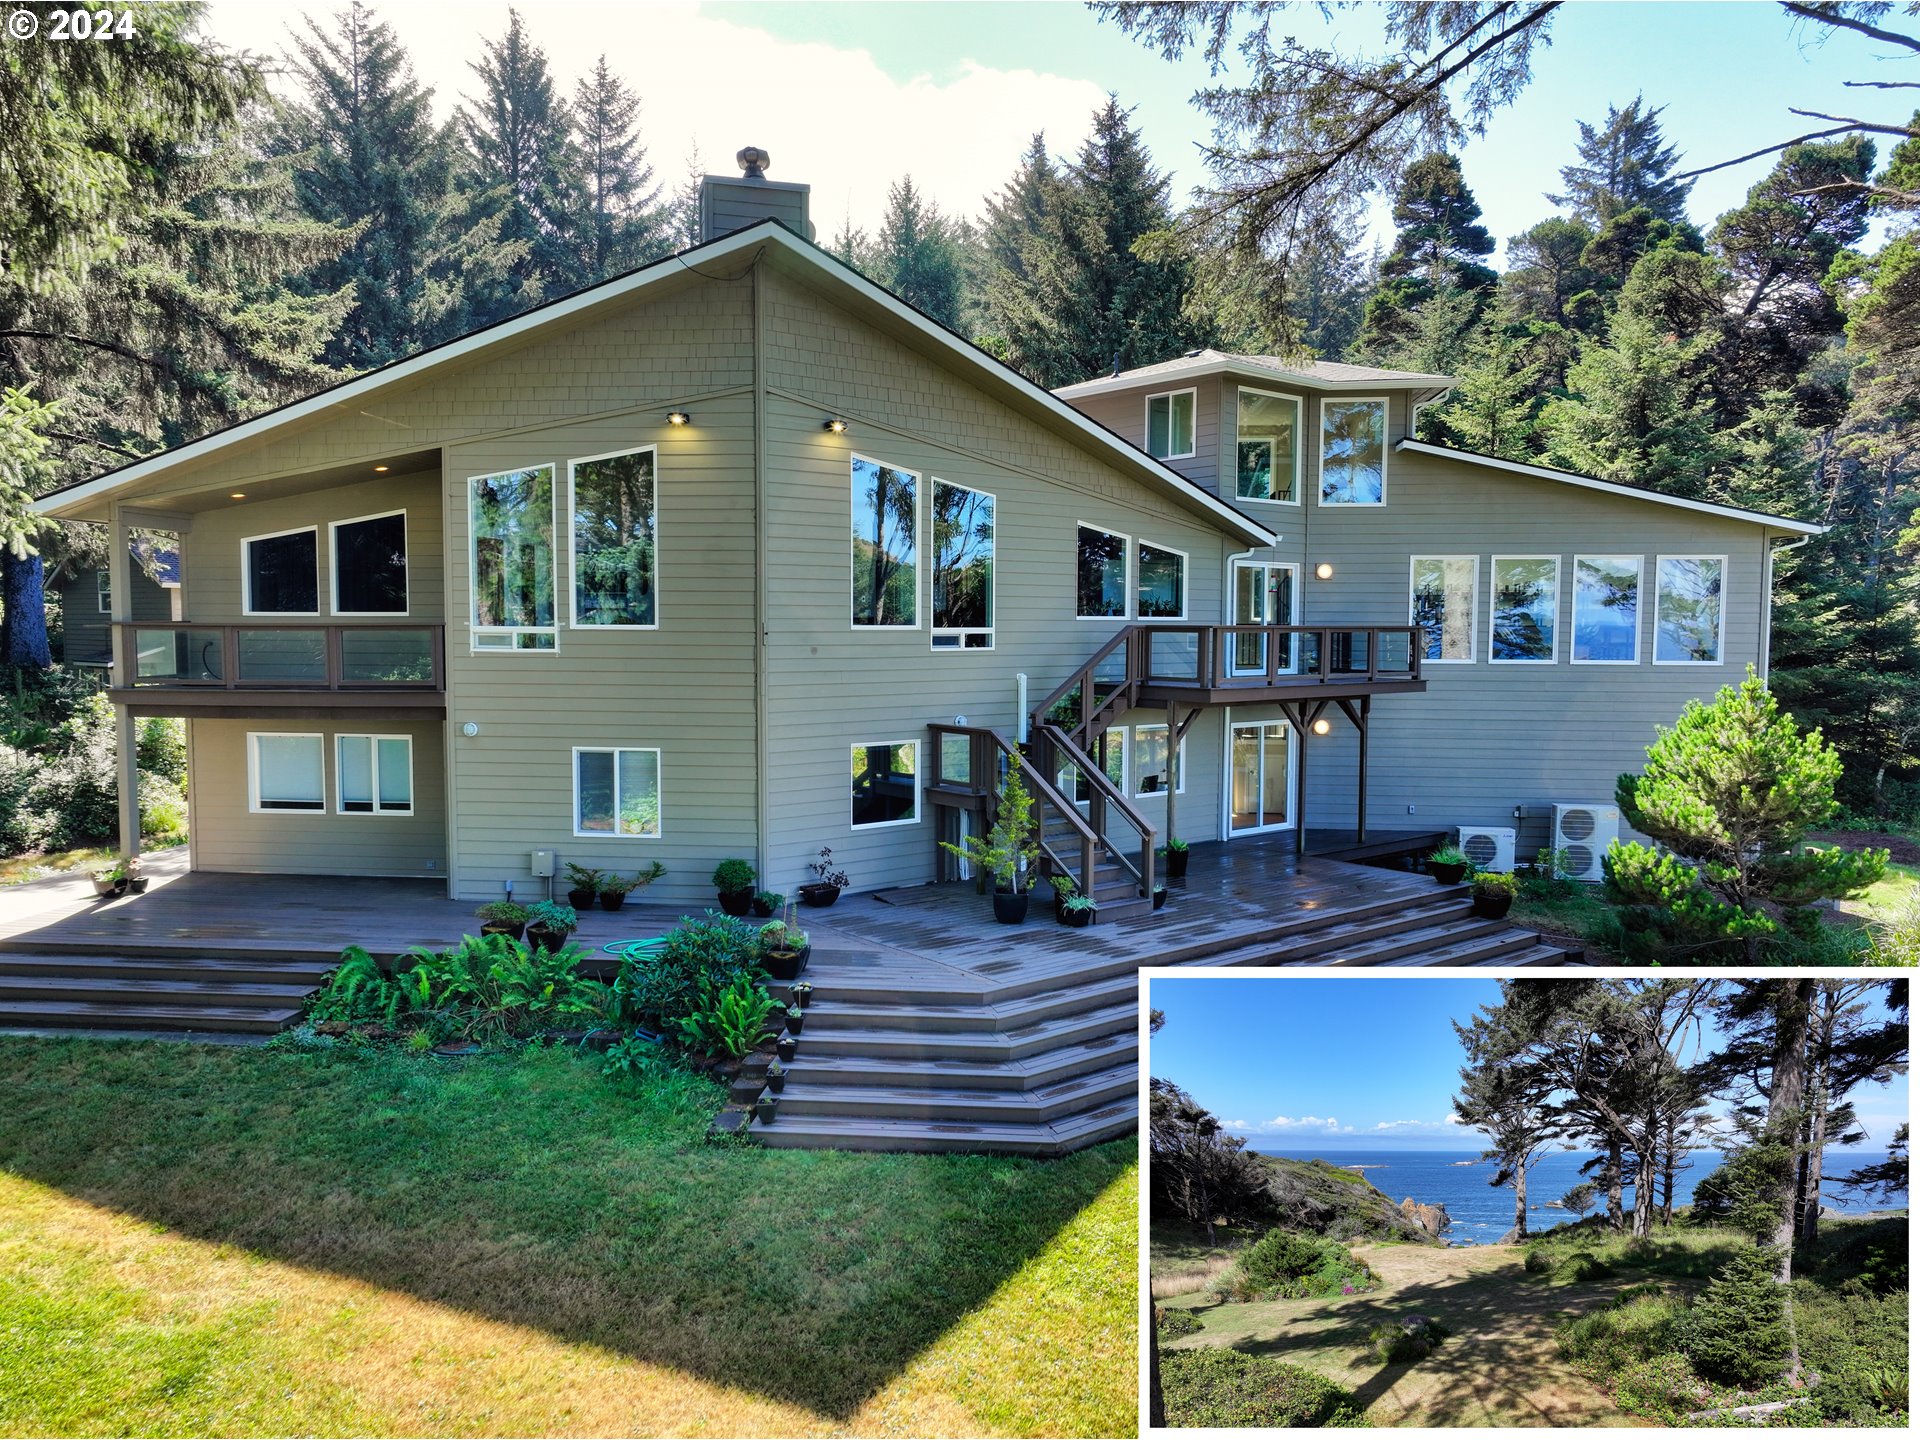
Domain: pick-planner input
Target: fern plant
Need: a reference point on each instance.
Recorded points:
(731, 1020)
(358, 992)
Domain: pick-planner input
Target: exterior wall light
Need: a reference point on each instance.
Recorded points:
(679, 417)
(833, 424)
(1322, 727)
(1323, 571)
(470, 729)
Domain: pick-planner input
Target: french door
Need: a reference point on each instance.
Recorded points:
(1263, 594)
(1259, 776)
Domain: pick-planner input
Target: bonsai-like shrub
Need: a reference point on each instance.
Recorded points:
(1172, 1324)
(585, 877)
(553, 915)
(502, 912)
(698, 955)
(770, 899)
(647, 874)
(732, 876)
(615, 885)
(825, 872)
(1008, 849)
(1736, 1332)
(1216, 1387)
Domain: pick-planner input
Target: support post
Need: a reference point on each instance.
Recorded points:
(127, 754)
(1360, 820)
(1305, 728)
(1173, 764)
(125, 739)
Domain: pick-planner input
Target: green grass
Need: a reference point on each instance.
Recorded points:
(243, 1241)
(18, 869)
(1886, 895)
(1581, 916)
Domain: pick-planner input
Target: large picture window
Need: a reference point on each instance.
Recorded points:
(1269, 446)
(616, 793)
(1150, 761)
(886, 546)
(886, 784)
(1606, 609)
(282, 572)
(1353, 452)
(615, 565)
(1162, 587)
(1101, 574)
(1443, 603)
(963, 522)
(370, 565)
(286, 772)
(373, 774)
(1689, 616)
(510, 517)
(1170, 425)
(1526, 609)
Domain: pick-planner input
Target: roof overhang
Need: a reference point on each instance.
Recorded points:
(1610, 487)
(1200, 369)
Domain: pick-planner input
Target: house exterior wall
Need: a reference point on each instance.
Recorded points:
(86, 633)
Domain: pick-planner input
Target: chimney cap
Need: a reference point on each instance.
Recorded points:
(754, 162)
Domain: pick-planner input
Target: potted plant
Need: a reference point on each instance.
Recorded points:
(110, 879)
(796, 1017)
(1449, 864)
(802, 993)
(1007, 851)
(502, 917)
(1077, 910)
(583, 884)
(734, 880)
(767, 903)
(786, 1047)
(827, 883)
(613, 892)
(1493, 894)
(776, 1077)
(549, 923)
(784, 949)
(136, 882)
(1159, 896)
(765, 1108)
(1173, 858)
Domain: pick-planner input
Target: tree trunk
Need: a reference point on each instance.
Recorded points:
(1811, 1166)
(1156, 1404)
(1615, 1220)
(1648, 1151)
(1669, 1164)
(23, 612)
(1520, 1198)
(1785, 1101)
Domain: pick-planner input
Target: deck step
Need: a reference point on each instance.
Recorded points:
(820, 1132)
(222, 992)
(142, 1015)
(1020, 1044)
(305, 973)
(898, 1013)
(1034, 1072)
(804, 1096)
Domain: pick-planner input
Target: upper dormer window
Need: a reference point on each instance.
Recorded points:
(1170, 425)
(1353, 452)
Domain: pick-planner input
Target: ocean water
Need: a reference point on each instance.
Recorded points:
(1481, 1214)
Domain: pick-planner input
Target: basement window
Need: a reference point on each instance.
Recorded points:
(886, 784)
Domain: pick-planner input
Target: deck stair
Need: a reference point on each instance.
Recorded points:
(180, 995)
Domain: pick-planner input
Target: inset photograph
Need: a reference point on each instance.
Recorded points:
(1451, 1201)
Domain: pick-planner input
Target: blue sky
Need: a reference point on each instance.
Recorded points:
(849, 96)
(1362, 1061)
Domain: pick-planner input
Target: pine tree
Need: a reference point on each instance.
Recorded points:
(1624, 164)
(1545, 270)
(1495, 404)
(616, 226)
(1736, 1330)
(680, 218)
(1016, 216)
(1437, 251)
(25, 471)
(917, 255)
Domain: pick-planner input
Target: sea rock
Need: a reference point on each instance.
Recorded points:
(1431, 1218)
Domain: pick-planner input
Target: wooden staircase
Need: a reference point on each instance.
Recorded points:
(52, 988)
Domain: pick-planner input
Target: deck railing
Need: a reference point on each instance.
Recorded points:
(376, 655)
(1225, 657)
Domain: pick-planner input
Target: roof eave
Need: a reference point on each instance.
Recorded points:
(1201, 370)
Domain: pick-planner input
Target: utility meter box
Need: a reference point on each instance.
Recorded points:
(541, 864)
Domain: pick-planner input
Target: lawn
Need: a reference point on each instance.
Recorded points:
(202, 1240)
(1885, 896)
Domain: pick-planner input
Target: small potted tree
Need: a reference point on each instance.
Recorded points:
(734, 880)
(549, 923)
(827, 883)
(613, 892)
(784, 949)
(502, 917)
(1173, 858)
(1007, 851)
(1449, 864)
(583, 885)
(767, 903)
(1493, 894)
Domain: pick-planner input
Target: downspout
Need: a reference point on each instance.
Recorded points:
(1413, 414)
(762, 763)
(1766, 603)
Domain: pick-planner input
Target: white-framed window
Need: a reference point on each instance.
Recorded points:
(886, 784)
(612, 512)
(280, 572)
(616, 793)
(963, 547)
(1264, 593)
(1353, 451)
(1268, 447)
(103, 590)
(1524, 610)
(1170, 424)
(1445, 589)
(1606, 610)
(373, 774)
(286, 773)
(1160, 586)
(1100, 574)
(510, 526)
(369, 564)
(1070, 780)
(1689, 617)
(1150, 762)
(886, 546)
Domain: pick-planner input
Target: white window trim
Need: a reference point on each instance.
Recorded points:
(660, 785)
(1473, 606)
(1720, 635)
(1186, 582)
(1146, 423)
(1299, 446)
(254, 807)
(1226, 778)
(573, 516)
(103, 590)
(333, 565)
(1386, 451)
(1294, 600)
(918, 809)
(993, 596)
(475, 631)
(1133, 760)
(920, 573)
(1126, 567)
(1639, 593)
(1493, 608)
(246, 571)
(340, 774)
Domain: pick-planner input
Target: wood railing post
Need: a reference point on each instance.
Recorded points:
(230, 656)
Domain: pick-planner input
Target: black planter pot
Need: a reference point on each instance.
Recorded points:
(137, 885)
(1176, 861)
(1447, 874)
(803, 992)
(736, 902)
(581, 899)
(787, 964)
(1009, 908)
(776, 1083)
(513, 932)
(1159, 896)
(795, 1022)
(819, 896)
(786, 1048)
(1076, 919)
(609, 901)
(543, 939)
(765, 1108)
(1492, 907)
(761, 909)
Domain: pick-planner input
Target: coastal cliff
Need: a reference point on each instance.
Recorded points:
(1324, 1199)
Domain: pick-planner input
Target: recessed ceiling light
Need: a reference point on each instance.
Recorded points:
(380, 469)
(238, 495)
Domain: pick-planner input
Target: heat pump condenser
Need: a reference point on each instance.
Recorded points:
(1488, 847)
(1581, 835)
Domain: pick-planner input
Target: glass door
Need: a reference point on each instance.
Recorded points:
(1260, 786)
(1262, 595)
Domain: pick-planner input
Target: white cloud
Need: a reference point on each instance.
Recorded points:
(1448, 1128)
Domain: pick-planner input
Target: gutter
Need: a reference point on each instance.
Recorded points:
(1766, 594)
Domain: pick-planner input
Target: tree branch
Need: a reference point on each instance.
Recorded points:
(95, 443)
(1873, 127)
(1769, 150)
(59, 338)
(1881, 84)
(1844, 22)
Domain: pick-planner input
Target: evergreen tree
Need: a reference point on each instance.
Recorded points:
(1495, 403)
(1438, 250)
(1017, 215)
(917, 255)
(1545, 269)
(1735, 1332)
(680, 218)
(617, 225)
(1624, 164)
(25, 472)
(1625, 238)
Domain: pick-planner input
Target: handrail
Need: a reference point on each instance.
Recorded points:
(1083, 679)
(983, 779)
(1106, 797)
(1213, 645)
(226, 669)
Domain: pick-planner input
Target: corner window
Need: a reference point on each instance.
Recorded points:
(370, 565)
(282, 572)
(1526, 609)
(963, 522)
(286, 772)
(510, 518)
(1443, 603)
(1170, 425)
(1689, 618)
(1150, 761)
(1353, 452)
(103, 590)
(886, 784)
(1162, 588)
(373, 774)
(1101, 574)
(1269, 447)
(886, 547)
(1606, 609)
(616, 793)
(615, 566)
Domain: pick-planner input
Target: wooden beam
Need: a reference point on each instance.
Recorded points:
(178, 522)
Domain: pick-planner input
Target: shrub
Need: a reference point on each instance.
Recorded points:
(1287, 1264)
(1663, 1385)
(1172, 1324)
(1736, 1332)
(1211, 1386)
(1399, 1342)
(1582, 1265)
(488, 987)
(733, 875)
(700, 954)
(162, 748)
(1539, 1261)
(728, 1020)
(163, 810)
(1623, 1334)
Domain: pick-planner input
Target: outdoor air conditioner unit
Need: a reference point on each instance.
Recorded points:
(1582, 833)
(1488, 847)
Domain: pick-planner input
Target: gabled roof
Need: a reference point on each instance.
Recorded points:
(1611, 487)
(1311, 374)
(771, 237)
